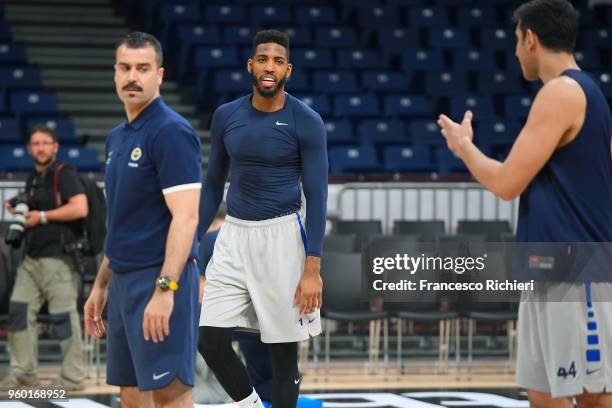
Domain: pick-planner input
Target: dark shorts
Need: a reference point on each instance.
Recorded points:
(134, 362)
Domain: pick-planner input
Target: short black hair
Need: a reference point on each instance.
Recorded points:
(271, 36)
(555, 22)
(42, 128)
(138, 39)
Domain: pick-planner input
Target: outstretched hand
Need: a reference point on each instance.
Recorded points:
(456, 134)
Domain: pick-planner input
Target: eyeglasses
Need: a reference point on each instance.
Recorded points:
(36, 144)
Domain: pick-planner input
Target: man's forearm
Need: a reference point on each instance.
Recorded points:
(70, 211)
(104, 274)
(178, 246)
(486, 171)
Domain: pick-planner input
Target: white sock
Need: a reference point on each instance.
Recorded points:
(252, 401)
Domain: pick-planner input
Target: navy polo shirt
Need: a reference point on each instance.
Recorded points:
(158, 153)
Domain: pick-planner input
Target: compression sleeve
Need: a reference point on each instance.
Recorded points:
(313, 148)
(214, 182)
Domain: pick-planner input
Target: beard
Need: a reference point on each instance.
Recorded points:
(44, 162)
(268, 93)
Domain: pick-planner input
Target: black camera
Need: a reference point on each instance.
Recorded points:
(14, 235)
(77, 251)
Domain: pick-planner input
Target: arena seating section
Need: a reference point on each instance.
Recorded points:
(377, 72)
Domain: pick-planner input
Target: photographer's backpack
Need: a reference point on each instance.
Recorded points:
(95, 222)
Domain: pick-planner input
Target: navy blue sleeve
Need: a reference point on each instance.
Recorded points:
(207, 246)
(176, 156)
(313, 150)
(218, 166)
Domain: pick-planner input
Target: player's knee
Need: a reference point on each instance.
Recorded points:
(600, 400)
(284, 357)
(61, 327)
(544, 400)
(214, 344)
(18, 316)
(174, 394)
(131, 397)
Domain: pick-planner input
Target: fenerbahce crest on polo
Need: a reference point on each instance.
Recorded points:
(135, 156)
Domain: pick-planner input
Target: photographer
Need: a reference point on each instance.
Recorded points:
(56, 205)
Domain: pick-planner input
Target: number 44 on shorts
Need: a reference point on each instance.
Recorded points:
(565, 372)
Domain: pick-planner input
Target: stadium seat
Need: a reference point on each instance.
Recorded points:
(360, 159)
(397, 39)
(334, 82)
(498, 82)
(426, 230)
(224, 13)
(238, 35)
(425, 132)
(498, 136)
(298, 81)
(232, 80)
(314, 14)
(336, 37)
(19, 77)
(358, 59)
(427, 17)
(355, 105)
(445, 83)
(218, 57)
(320, 103)
(406, 106)
(477, 60)
(492, 230)
(339, 131)
(381, 131)
(480, 105)
(33, 102)
(449, 38)
(588, 59)
(384, 81)
(362, 229)
(377, 16)
(311, 58)
(298, 36)
(170, 14)
(598, 37)
(408, 158)
(83, 158)
(63, 127)
(448, 162)
(517, 107)
(497, 39)
(422, 60)
(15, 158)
(476, 16)
(9, 130)
(12, 54)
(604, 79)
(263, 15)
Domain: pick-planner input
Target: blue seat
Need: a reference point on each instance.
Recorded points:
(406, 106)
(450, 38)
(33, 102)
(170, 13)
(474, 60)
(336, 37)
(232, 80)
(238, 35)
(320, 103)
(511, 63)
(9, 130)
(371, 16)
(427, 17)
(408, 158)
(193, 34)
(397, 39)
(517, 107)
(339, 131)
(445, 83)
(5, 32)
(381, 131)
(83, 158)
(298, 81)
(499, 82)
(298, 36)
(63, 127)
(481, 106)
(13, 54)
(425, 132)
(20, 77)
(314, 14)
(476, 16)
(448, 162)
(604, 80)
(497, 136)
(217, 57)
(598, 37)
(270, 14)
(15, 158)
(226, 13)
(355, 105)
(360, 159)
(497, 39)
(358, 59)
(311, 58)
(334, 81)
(588, 59)
(384, 81)
(422, 60)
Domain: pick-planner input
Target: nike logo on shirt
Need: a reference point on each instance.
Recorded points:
(158, 376)
(297, 381)
(589, 372)
(281, 123)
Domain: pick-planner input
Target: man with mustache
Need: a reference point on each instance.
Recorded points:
(265, 269)
(153, 182)
(48, 273)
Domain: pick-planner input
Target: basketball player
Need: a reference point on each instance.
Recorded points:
(265, 270)
(561, 167)
(153, 183)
